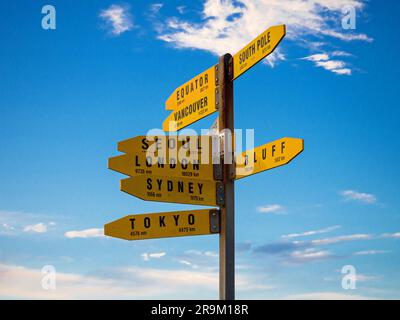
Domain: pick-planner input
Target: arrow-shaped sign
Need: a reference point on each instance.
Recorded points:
(164, 225)
(169, 156)
(166, 189)
(268, 156)
(137, 164)
(192, 101)
(257, 49)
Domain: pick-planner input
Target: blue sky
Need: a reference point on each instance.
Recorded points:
(68, 95)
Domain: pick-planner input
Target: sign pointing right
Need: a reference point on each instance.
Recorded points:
(257, 49)
(268, 156)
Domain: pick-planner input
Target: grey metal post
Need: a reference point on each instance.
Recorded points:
(227, 234)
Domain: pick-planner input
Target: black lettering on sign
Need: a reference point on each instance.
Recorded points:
(200, 187)
(191, 219)
(191, 187)
(149, 184)
(180, 186)
(176, 218)
(273, 150)
(145, 145)
(147, 222)
(132, 223)
(159, 182)
(162, 222)
(195, 84)
(264, 153)
(283, 145)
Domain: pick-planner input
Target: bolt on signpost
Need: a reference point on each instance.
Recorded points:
(172, 176)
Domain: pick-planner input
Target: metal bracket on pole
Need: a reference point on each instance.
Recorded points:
(220, 193)
(214, 221)
(217, 92)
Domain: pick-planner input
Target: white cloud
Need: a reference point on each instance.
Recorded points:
(6, 226)
(351, 195)
(369, 252)
(202, 253)
(118, 18)
(392, 235)
(156, 255)
(323, 60)
(271, 208)
(309, 254)
(87, 233)
(155, 8)
(181, 9)
(327, 296)
(18, 282)
(188, 263)
(310, 233)
(352, 237)
(227, 26)
(363, 278)
(38, 228)
(13, 223)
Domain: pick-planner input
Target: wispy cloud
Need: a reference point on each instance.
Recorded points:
(272, 209)
(310, 233)
(345, 238)
(211, 254)
(155, 283)
(188, 263)
(327, 295)
(38, 228)
(117, 18)
(155, 9)
(181, 9)
(13, 223)
(309, 254)
(352, 195)
(324, 61)
(155, 255)
(226, 26)
(369, 252)
(87, 233)
(392, 235)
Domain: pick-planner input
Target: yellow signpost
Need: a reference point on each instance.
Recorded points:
(170, 156)
(173, 143)
(167, 189)
(202, 85)
(192, 101)
(257, 49)
(164, 225)
(137, 164)
(268, 156)
(171, 175)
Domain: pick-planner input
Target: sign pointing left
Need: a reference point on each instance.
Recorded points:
(164, 225)
(192, 101)
(167, 189)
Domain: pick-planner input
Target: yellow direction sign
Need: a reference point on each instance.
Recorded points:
(137, 164)
(268, 156)
(192, 101)
(202, 85)
(176, 190)
(257, 50)
(164, 225)
(170, 156)
(173, 143)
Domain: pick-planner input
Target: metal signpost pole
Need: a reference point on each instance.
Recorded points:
(226, 127)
